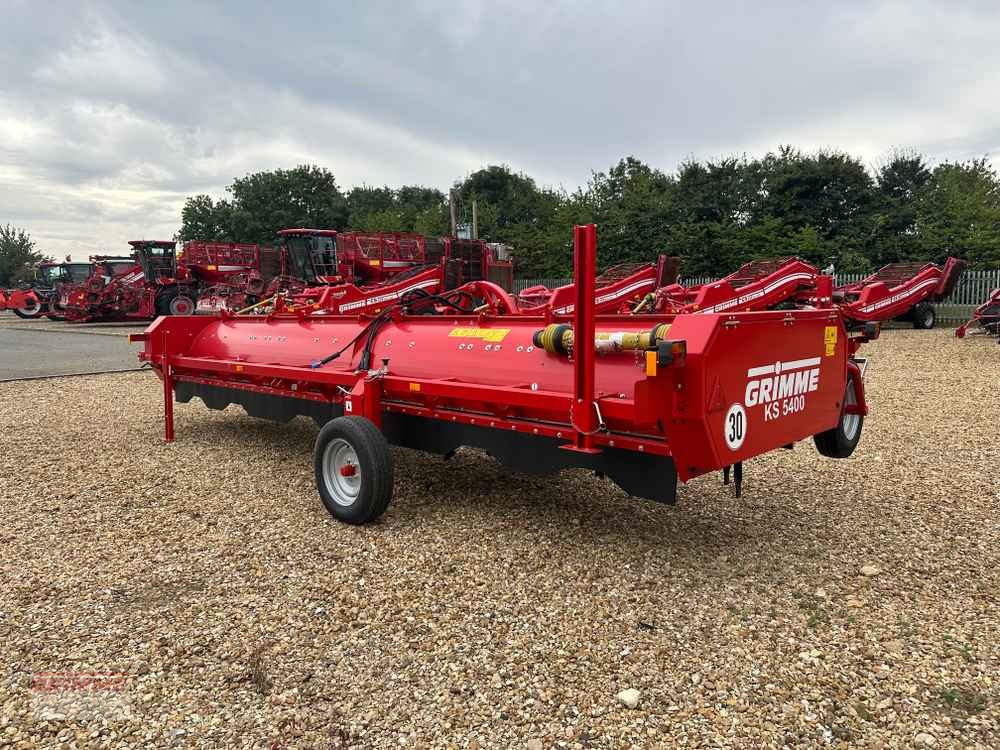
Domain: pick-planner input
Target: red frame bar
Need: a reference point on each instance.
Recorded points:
(584, 411)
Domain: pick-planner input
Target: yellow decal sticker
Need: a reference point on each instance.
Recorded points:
(415, 387)
(830, 339)
(375, 262)
(486, 334)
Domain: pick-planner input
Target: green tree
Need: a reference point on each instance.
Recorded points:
(204, 219)
(630, 203)
(512, 209)
(411, 208)
(264, 202)
(829, 191)
(710, 214)
(900, 181)
(365, 201)
(17, 255)
(416, 203)
(958, 213)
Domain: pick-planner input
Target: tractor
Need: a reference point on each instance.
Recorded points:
(41, 296)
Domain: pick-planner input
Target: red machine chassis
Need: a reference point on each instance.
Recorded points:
(643, 417)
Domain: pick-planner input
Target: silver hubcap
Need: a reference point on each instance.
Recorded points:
(341, 472)
(29, 309)
(851, 423)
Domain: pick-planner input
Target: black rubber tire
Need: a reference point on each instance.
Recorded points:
(163, 300)
(374, 463)
(924, 316)
(838, 442)
(39, 311)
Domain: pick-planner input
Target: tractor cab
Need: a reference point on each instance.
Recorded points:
(310, 254)
(107, 267)
(49, 274)
(157, 258)
(52, 274)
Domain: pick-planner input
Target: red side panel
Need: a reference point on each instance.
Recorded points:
(754, 384)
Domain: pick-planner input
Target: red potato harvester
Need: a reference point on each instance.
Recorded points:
(226, 273)
(152, 284)
(619, 289)
(902, 290)
(643, 399)
(357, 272)
(758, 285)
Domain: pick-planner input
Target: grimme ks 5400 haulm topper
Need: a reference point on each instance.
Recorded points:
(643, 399)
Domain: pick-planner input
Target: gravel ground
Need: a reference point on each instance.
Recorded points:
(850, 603)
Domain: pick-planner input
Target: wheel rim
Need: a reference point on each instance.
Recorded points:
(30, 309)
(850, 423)
(181, 306)
(341, 472)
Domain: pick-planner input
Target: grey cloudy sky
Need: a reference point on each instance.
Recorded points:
(112, 112)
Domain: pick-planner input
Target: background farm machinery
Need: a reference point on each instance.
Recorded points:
(356, 271)
(156, 280)
(148, 284)
(908, 290)
(41, 296)
(330, 272)
(985, 318)
(900, 291)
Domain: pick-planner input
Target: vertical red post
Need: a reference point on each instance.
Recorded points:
(824, 291)
(168, 403)
(585, 275)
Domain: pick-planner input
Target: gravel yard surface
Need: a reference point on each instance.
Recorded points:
(850, 603)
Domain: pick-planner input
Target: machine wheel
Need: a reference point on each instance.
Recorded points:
(181, 305)
(924, 316)
(841, 441)
(174, 302)
(353, 469)
(29, 312)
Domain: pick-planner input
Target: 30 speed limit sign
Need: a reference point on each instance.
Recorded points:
(735, 426)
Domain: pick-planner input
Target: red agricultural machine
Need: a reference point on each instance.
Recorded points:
(620, 288)
(758, 285)
(227, 274)
(986, 318)
(903, 291)
(151, 284)
(41, 297)
(785, 283)
(333, 272)
(900, 291)
(645, 399)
